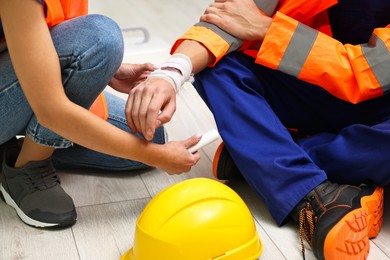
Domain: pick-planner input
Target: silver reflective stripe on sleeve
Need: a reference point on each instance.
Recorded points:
(298, 49)
(234, 43)
(268, 7)
(378, 58)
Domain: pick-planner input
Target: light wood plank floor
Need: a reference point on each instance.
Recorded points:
(109, 203)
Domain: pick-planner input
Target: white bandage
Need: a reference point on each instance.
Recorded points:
(177, 70)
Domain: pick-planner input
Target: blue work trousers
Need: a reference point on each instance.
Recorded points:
(254, 106)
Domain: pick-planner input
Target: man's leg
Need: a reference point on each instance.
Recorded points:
(252, 106)
(358, 154)
(262, 147)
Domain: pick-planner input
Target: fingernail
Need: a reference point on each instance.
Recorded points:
(198, 135)
(149, 133)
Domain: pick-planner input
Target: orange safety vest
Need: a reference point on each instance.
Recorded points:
(353, 73)
(58, 11)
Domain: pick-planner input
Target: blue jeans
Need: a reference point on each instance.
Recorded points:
(90, 50)
(80, 157)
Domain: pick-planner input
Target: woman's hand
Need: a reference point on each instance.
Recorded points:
(175, 157)
(130, 75)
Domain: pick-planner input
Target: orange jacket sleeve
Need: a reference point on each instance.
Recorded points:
(219, 43)
(353, 73)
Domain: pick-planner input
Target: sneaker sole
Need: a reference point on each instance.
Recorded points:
(349, 238)
(26, 219)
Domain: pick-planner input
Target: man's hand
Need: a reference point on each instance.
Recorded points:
(151, 104)
(240, 18)
(129, 75)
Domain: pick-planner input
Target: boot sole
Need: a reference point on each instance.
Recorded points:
(374, 206)
(349, 238)
(26, 219)
(223, 166)
(216, 161)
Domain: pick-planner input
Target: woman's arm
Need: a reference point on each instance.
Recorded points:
(37, 67)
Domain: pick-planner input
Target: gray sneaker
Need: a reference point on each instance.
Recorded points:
(3, 146)
(34, 191)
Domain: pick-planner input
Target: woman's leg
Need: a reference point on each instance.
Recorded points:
(90, 50)
(80, 157)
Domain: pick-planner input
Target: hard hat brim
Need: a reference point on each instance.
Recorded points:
(128, 255)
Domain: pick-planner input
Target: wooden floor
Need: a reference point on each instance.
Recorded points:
(109, 203)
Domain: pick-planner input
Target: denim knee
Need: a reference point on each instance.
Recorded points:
(90, 49)
(108, 43)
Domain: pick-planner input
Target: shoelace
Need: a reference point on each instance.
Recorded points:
(45, 180)
(307, 223)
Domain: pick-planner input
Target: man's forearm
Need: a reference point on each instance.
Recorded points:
(199, 55)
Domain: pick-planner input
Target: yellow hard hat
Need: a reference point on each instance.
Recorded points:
(196, 219)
